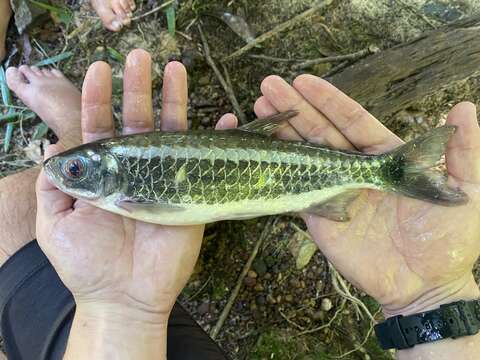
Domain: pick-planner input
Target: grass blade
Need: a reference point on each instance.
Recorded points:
(54, 59)
(115, 55)
(40, 131)
(8, 137)
(8, 117)
(64, 14)
(170, 13)
(7, 100)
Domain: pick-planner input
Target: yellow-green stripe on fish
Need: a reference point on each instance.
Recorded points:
(195, 177)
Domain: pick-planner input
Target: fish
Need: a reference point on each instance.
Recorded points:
(203, 176)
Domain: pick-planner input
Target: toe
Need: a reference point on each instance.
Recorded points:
(57, 73)
(109, 18)
(126, 7)
(120, 12)
(15, 80)
(28, 72)
(47, 73)
(36, 70)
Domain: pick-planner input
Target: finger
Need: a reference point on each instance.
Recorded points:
(463, 152)
(309, 123)
(175, 97)
(227, 121)
(51, 202)
(263, 108)
(355, 123)
(97, 119)
(137, 93)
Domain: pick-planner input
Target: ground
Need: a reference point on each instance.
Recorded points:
(281, 312)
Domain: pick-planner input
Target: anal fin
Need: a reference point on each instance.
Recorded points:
(335, 208)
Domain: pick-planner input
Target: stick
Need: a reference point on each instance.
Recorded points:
(228, 89)
(223, 316)
(350, 57)
(272, 58)
(279, 28)
(158, 8)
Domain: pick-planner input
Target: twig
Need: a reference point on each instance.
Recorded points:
(349, 57)
(154, 10)
(291, 322)
(336, 69)
(337, 278)
(226, 310)
(199, 290)
(279, 28)
(272, 58)
(416, 12)
(330, 322)
(360, 346)
(228, 89)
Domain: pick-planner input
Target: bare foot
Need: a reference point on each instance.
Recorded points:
(5, 14)
(114, 13)
(52, 97)
(57, 101)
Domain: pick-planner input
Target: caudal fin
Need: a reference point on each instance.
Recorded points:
(410, 169)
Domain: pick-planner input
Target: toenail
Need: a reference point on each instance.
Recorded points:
(116, 25)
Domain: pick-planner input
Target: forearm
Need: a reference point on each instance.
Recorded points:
(464, 348)
(111, 334)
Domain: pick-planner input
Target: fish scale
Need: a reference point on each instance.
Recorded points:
(287, 168)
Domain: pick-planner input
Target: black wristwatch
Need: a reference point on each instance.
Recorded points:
(453, 320)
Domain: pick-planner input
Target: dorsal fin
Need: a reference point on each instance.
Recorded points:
(269, 125)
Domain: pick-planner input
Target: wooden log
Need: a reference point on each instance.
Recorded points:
(391, 80)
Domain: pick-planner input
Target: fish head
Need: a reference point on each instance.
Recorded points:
(87, 172)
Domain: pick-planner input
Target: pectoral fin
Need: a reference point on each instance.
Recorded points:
(268, 126)
(153, 207)
(335, 208)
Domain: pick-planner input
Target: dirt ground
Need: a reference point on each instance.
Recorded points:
(281, 311)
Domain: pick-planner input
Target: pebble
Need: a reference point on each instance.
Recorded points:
(250, 282)
(259, 287)
(271, 299)
(204, 80)
(203, 308)
(261, 300)
(288, 298)
(260, 267)
(318, 315)
(252, 274)
(326, 304)
(295, 283)
(267, 276)
(205, 121)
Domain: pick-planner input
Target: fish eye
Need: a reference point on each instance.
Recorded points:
(74, 168)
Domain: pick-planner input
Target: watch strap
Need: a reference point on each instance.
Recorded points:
(453, 320)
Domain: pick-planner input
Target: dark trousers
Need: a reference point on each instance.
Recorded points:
(37, 310)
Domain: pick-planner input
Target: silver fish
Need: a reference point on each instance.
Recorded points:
(196, 177)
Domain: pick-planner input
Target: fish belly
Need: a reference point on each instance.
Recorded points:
(193, 214)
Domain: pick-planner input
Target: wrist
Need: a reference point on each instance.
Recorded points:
(111, 331)
(466, 289)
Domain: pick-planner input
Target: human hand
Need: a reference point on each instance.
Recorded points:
(409, 255)
(118, 269)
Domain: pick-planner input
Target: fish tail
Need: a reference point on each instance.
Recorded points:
(412, 169)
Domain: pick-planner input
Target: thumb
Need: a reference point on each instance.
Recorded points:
(464, 146)
(51, 202)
